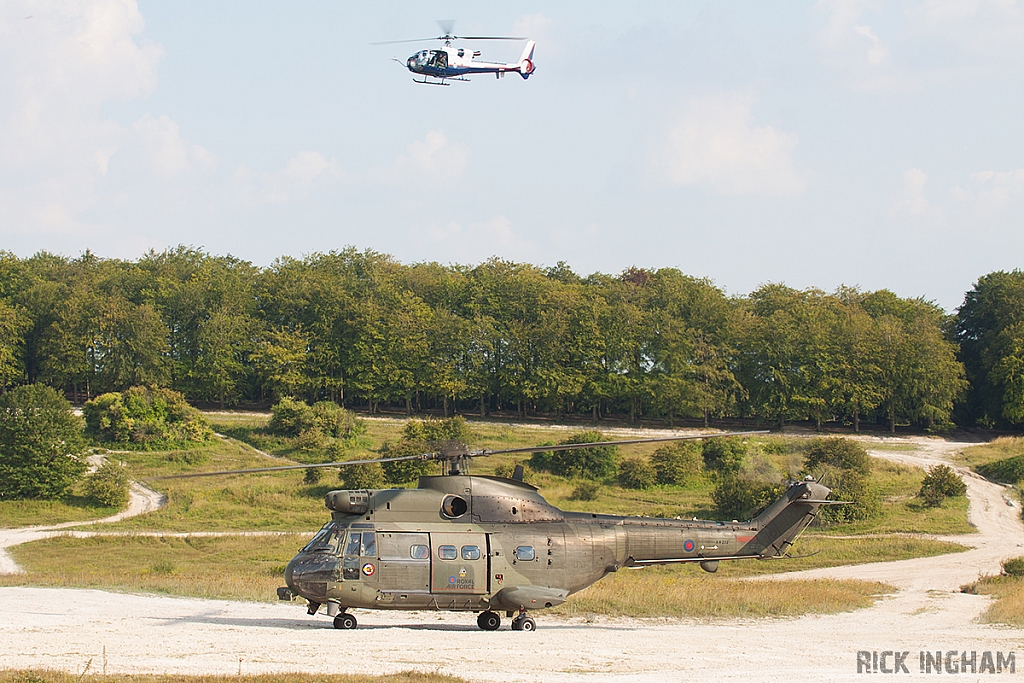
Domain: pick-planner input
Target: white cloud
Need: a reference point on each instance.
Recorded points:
(844, 33)
(991, 194)
(432, 161)
(912, 201)
(304, 173)
(994, 27)
(713, 141)
(476, 242)
(57, 69)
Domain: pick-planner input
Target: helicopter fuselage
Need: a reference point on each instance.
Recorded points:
(484, 544)
(455, 63)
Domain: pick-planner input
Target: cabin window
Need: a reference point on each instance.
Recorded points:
(419, 552)
(447, 552)
(525, 553)
(369, 544)
(471, 552)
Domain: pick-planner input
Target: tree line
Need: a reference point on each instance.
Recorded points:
(365, 331)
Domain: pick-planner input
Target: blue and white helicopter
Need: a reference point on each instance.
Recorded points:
(456, 63)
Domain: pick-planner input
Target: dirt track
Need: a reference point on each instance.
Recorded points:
(64, 628)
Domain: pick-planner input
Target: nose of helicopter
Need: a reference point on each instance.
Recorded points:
(308, 574)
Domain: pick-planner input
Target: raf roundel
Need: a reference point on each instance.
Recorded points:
(368, 569)
(688, 546)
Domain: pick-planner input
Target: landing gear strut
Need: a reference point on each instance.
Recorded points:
(488, 621)
(523, 622)
(345, 621)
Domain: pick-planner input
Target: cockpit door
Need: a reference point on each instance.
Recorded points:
(359, 562)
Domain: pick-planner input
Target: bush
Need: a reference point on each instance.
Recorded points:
(677, 463)
(368, 476)
(311, 440)
(837, 453)
(40, 443)
(585, 490)
(1006, 471)
(507, 469)
(742, 493)
(313, 475)
(420, 437)
(939, 483)
(844, 466)
(591, 463)
(108, 485)
(289, 417)
(637, 473)
(724, 454)
(334, 421)
(1013, 566)
(147, 416)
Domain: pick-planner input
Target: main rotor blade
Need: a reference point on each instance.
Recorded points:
(486, 38)
(624, 442)
(412, 40)
(281, 468)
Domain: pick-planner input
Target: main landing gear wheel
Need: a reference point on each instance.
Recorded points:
(345, 621)
(488, 621)
(524, 624)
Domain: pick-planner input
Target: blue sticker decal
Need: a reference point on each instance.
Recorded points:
(451, 579)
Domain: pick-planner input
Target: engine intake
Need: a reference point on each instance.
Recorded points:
(348, 502)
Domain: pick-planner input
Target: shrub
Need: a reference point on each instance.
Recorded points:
(837, 453)
(336, 422)
(368, 476)
(1006, 471)
(592, 463)
(585, 490)
(420, 437)
(724, 454)
(143, 415)
(311, 440)
(313, 475)
(1013, 566)
(677, 463)
(289, 417)
(108, 485)
(939, 483)
(740, 494)
(507, 469)
(637, 473)
(40, 443)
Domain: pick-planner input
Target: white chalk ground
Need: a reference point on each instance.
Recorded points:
(66, 628)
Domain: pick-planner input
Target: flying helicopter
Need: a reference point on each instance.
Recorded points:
(488, 544)
(448, 63)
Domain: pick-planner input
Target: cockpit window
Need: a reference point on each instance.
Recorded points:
(369, 544)
(354, 543)
(326, 540)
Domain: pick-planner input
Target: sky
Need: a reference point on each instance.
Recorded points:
(818, 144)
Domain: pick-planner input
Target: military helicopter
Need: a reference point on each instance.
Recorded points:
(449, 63)
(488, 544)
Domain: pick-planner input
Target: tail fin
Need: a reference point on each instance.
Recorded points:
(526, 66)
(783, 520)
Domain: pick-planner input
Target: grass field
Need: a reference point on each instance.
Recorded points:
(997, 449)
(47, 676)
(72, 508)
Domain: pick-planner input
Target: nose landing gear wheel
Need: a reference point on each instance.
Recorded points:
(345, 621)
(524, 623)
(488, 621)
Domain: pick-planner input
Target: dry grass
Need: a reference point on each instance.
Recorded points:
(997, 449)
(227, 567)
(1008, 592)
(48, 676)
(71, 508)
(676, 592)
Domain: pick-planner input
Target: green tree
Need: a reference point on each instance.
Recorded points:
(598, 462)
(678, 463)
(637, 473)
(40, 443)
